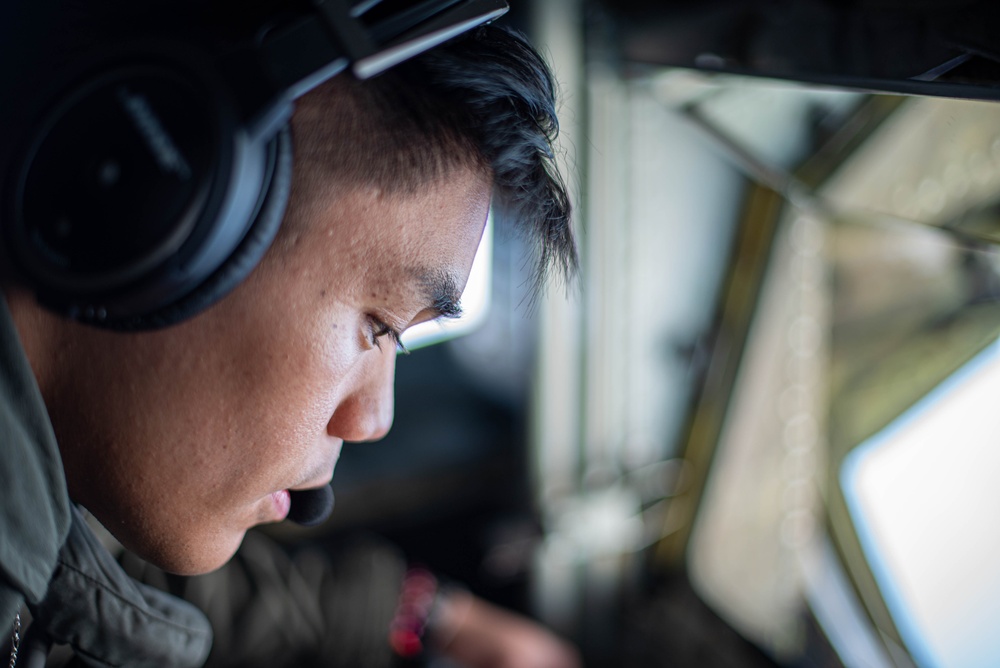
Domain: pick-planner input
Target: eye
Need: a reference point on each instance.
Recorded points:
(380, 330)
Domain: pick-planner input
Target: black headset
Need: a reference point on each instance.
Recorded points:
(147, 178)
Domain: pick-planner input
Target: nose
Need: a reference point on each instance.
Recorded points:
(365, 412)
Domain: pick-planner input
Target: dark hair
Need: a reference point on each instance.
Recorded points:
(485, 101)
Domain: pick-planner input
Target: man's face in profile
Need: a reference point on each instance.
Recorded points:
(180, 440)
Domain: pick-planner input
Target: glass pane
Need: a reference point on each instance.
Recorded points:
(924, 497)
(860, 414)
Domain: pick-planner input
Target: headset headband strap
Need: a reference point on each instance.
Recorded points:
(442, 25)
(300, 56)
(295, 57)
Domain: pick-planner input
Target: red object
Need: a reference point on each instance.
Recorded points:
(416, 601)
(406, 643)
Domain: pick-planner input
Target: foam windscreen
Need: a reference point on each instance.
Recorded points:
(311, 506)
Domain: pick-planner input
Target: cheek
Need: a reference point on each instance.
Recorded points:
(294, 379)
(187, 439)
(281, 402)
(174, 438)
(274, 403)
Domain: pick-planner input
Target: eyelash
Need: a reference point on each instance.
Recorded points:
(380, 329)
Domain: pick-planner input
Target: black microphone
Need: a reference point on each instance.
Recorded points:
(311, 506)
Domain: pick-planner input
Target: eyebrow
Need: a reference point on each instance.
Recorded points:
(441, 289)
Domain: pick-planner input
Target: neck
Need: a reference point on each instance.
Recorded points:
(38, 330)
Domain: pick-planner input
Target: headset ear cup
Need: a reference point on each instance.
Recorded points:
(242, 261)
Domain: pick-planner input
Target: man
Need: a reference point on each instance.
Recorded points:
(179, 440)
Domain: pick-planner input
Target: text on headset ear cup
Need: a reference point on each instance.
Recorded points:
(270, 211)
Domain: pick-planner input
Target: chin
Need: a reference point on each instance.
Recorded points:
(191, 555)
(209, 560)
(172, 540)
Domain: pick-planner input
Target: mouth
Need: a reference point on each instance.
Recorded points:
(310, 494)
(281, 502)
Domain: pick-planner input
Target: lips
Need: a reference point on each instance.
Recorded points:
(282, 502)
(316, 477)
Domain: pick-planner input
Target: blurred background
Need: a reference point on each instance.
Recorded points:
(762, 429)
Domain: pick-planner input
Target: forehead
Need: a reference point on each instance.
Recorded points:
(427, 236)
(438, 219)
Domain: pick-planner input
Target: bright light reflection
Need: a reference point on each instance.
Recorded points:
(925, 497)
(475, 301)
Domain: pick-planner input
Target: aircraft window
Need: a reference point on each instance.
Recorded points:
(922, 493)
(914, 371)
(861, 303)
